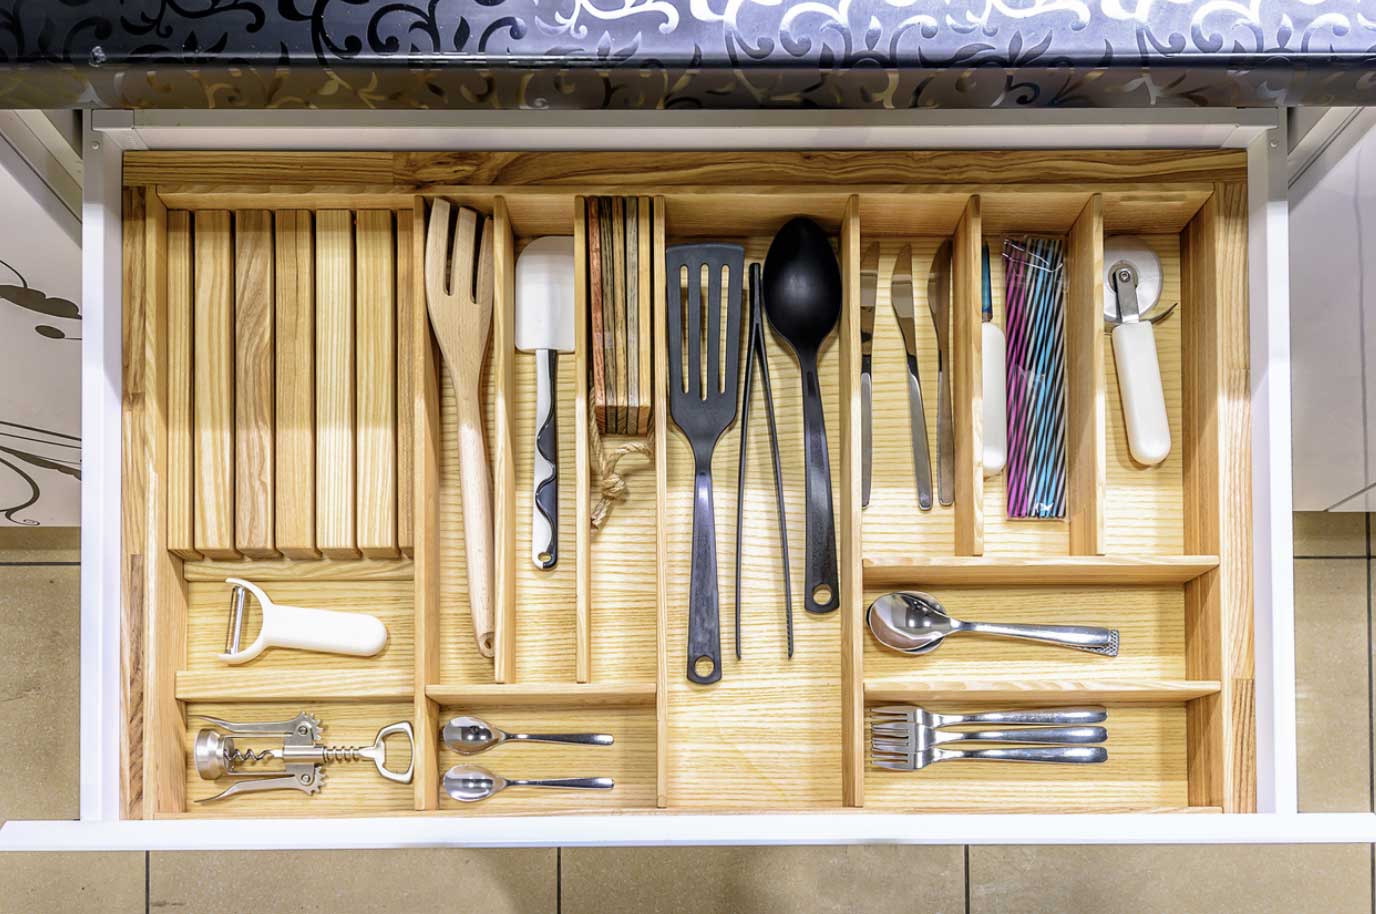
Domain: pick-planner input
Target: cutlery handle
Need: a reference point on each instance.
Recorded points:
(544, 513)
(567, 783)
(1082, 637)
(577, 739)
(945, 435)
(1144, 399)
(1075, 755)
(1062, 716)
(475, 486)
(866, 429)
(1062, 735)
(995, 400)
(704, 623)
(820, 566)
(922, 455)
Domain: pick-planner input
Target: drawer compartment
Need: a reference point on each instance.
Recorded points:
(333, 481)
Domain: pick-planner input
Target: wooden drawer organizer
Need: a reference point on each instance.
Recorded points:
(353, 445)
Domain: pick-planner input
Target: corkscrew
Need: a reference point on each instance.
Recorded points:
(303, 756)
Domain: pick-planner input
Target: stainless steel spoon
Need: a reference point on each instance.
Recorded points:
(470, 784)
(915, 623)
(470, 735)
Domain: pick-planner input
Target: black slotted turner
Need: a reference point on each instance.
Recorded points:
(702, 413)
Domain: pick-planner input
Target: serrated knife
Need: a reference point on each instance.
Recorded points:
(939, 301)
(869, 285)
(901, 297)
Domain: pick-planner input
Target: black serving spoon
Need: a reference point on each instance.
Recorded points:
(802, 297)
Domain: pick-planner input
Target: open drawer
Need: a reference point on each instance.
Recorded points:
(357, 507)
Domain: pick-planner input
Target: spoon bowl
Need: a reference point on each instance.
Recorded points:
(471, 784)
(916, 623)
(469, 735)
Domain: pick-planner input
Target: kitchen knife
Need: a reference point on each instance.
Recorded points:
(939, 301)
(901, 297)
(544, 325)
(869, 284)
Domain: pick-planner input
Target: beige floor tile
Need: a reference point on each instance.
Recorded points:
(40, 544)
(1143, 879)
(358, 882)
(763, 880)
(39, 691)
(74, 883)
(1330, 533)
(1332, 699)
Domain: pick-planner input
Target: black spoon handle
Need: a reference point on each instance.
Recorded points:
(704, 623)
(820, 567)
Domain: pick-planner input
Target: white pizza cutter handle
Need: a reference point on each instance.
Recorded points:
(325, 630)
(1144, 399)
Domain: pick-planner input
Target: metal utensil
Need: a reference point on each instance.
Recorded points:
(869, 286)
(1075, 755)
(802, 297)
(755, 349)
(901, 297)
(303, 755)
(907, 715)
(939, 303)
(544, 325)
(470, 735)
(471, 784)
(703, 403)
(901, 743)
(915, 623)
(461, 317)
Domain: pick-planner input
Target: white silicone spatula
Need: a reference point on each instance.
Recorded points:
(544, 325)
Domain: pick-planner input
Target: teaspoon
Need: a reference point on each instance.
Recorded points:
(471, 735)
(470, 784)
(915, 623)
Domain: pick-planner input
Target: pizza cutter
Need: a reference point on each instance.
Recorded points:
(1132, 288)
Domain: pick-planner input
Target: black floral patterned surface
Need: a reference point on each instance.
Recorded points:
(685, 53)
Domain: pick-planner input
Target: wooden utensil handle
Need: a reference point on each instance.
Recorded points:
(476, 487)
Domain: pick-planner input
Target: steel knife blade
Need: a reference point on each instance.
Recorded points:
(869, 286)
(901, 298)
(939, 302)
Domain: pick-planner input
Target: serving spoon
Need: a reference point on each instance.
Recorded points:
(471, 784)
(470, 735)
(915, 623)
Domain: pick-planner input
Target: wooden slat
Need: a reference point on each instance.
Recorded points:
(1107, 569)
(261, 571)
(160, 166)
(987, 692)
(254, 394)
(646, 277)
(406, 302)
(1217, 501)
(214, 385)
(134, 473)
(181, 472)
(335, 534)
(545, 695)
(967, 381)
(582, 626)
(284, 196)
(505, 555)
(295, 397)
(1086, 445)
(425, 390)
(661, 432)
(848, 538)
(247, 684)
(375, 366)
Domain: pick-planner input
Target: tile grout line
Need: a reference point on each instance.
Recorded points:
(147, 882)
(40, 564)
(1326, 558)
(559, 881)
(967, 879)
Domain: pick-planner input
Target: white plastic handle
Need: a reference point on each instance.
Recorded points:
(995, 400)
(1144, 400)
(326, 630)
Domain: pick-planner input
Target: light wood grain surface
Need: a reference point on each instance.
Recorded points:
(213, 387)
(295, 376)
(375, 422)
(335, 455)
(181, 431)
(254, 391)
(408, 268)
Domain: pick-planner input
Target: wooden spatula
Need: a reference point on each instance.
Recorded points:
(461, 316)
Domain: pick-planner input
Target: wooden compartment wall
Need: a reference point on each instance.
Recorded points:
(245, 294)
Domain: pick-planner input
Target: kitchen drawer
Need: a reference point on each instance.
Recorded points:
(1167, 555)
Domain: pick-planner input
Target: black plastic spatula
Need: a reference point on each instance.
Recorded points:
(702, 402)
(802, 297)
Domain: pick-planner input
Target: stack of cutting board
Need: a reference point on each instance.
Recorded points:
(619, 276)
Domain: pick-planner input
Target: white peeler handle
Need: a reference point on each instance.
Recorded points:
(1144, 399)
(326, 630)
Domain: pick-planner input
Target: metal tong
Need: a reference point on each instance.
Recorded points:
(755, 349)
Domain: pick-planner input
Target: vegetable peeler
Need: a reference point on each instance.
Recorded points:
(327, 630)
(302, 755)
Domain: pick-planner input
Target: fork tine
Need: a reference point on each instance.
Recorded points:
(891, 766)
(890, 729)
(436, 241)
(486, 281)
(889, 745)
(461, 266)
